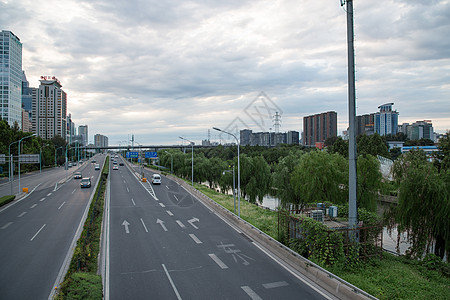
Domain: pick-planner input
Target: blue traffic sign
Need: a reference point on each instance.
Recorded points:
(151, 154)
(132, 154)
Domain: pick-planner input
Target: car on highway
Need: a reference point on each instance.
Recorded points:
(97, 167)
(115, 167)
(115, 162)
(69, 165)
(121, 164)
(94, 161)
(85, 182)
(77, 175)
(156, 179)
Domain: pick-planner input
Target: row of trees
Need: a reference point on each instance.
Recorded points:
(33, 145)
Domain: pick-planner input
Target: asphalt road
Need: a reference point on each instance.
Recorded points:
(164, 244)
(36, 231)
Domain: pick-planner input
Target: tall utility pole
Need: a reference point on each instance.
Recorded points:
(352, 155)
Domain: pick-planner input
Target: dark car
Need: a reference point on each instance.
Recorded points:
(121, 164)
(85, 182)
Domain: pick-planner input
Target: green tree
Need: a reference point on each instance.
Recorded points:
(284, 189)
(372, 144)
(260, 180)
(339, 146)
(321, 177)
(369, 182)
(442, 157)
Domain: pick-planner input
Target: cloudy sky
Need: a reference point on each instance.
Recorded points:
(163, 69)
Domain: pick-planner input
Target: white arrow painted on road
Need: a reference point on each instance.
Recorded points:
(126, 224)
(191, 221)
(160, 222)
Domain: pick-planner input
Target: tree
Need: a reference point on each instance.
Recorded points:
(260, 181)
(339, 146)
(281, 179)
(373, 145)
(321, 177)
(369, 181)
(442, 157)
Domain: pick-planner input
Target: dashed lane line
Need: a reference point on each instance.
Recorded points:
(143, 224)
(180, 224)
(169, 213)
(42, 199)
(6, 225)
(195, 238)
(272, 285)
(61, 205)
(22, 214)
(162, 204)
(218, 261)
(133, 202)
(251, 293)
(33, 206)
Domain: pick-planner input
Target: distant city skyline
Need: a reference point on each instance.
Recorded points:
(164, 71)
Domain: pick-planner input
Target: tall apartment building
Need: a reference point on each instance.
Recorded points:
(10, 78)
(49, 108)
(386, 120)
(272, 139)
(100, 140)
(365, 124)
(70, 129)
(317, 128)
(83, 132)
(293, 138)
(420, 130)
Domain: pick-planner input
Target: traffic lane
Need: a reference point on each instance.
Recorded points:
(135, 269)
(39, 241)
(232, 247)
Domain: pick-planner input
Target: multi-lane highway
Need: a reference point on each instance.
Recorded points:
(162, 243)
(37, 231)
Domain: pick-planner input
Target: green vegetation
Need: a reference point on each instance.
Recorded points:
(82, 281)
(6, 199)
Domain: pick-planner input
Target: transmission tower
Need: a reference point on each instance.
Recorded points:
(277, 122)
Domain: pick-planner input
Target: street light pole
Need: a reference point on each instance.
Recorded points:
(19, 153)
(11, 166)
(234, 189)
(40, 157)
(192, 158)
(239, 169)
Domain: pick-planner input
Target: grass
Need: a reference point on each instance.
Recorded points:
(390, 278)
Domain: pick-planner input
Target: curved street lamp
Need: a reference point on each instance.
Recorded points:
(239, 169)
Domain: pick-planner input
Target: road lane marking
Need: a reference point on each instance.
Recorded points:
(33, 206)
(195, 238)
(273, 285)
(22, 214)
(73, 191)
(126, 224)
(167, 187)
(176, 198)
(191, 221)
(128, 190)
(180, 223)
(162, 204)
(42, 199)
(218, 261)
(160, 222)
(171, 282)
(49, 194)
(6, 225)
(124, 181)
(251, 293)
(169, 213)
(61, 205)
(133, 202)
(143, 224)
(37, 233)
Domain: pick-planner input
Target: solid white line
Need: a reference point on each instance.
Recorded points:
(143, 224)
(169, 213)
(49, 194)
(6, 225)
(218, 261)
(42, 199)
(133, 202)
(108, 200)
(62, 205)
(290, 271)
(180, 223)
(22, 214)
(33, 206)
(162, 204)
(171, 282)
(195, 238)
(251, 293)
(273, 285)
(37, 232)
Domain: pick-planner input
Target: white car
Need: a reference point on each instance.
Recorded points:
(115, 167)
(156, 179)
(97, 167)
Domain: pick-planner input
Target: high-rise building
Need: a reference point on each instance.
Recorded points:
(83, 132)
(70, 129)
(26, 123)
(386, 120)
(421, 130)
(10, 78)
(49, 109)
(365, 124)
(27, 95)
(293, 138)
(100, 140)
(317, 128)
